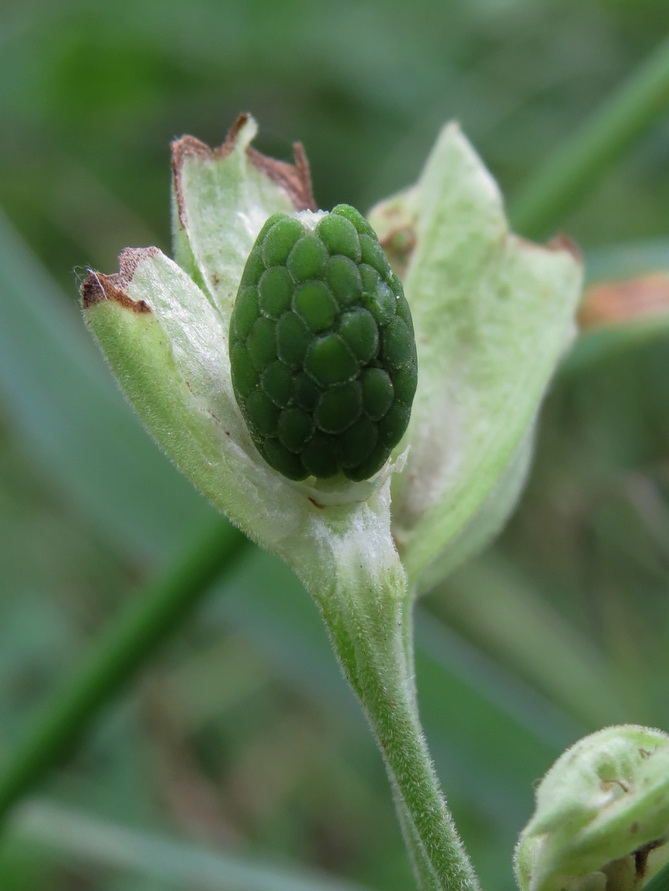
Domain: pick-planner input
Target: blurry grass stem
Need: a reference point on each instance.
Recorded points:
(580, 161)
(143, 625)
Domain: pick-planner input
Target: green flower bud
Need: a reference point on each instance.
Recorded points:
(602, 817)
(322, 351)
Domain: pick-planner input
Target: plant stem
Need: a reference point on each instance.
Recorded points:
(147, 621)
(432, 840)
(373, 646)
(579, 162)
(422, 868)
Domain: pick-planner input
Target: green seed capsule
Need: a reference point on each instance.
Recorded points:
(322, 348)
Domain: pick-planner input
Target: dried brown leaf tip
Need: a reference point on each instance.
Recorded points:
(98, 287)
(294, 178)
(613, 303)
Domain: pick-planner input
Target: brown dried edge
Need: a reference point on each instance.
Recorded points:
(562, 242)
(399, 257)
(295, 179)
(558, 243)
(98, 287)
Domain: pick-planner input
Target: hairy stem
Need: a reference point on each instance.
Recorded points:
(373, 645)
(580, 161)
(150, 617)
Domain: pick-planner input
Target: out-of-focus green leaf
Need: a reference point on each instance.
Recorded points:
(660, 882)
(492, 605)
(627, 259)
(177, 864)
(605, 343)
(63, 401)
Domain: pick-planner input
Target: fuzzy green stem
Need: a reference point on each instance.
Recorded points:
(579, 162)
(373, 646)
(147, 621)
(422, 868)
(432, 840)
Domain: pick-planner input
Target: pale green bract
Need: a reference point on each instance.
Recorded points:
(602, 815)
(493, 315)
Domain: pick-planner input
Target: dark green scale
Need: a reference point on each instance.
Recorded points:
(322, 348)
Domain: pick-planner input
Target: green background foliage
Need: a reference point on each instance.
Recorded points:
(238, 757)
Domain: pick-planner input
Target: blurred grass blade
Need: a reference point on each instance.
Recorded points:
(602, 344)
(490, 602)
(490, 734)
(131, 639)
(580, 161)
(628, 259)
(62, 400)
(84, 838)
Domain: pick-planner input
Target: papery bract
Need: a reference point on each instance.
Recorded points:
(602, 815)
(493, 314)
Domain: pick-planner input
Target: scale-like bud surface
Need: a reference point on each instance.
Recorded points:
(322, 348)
